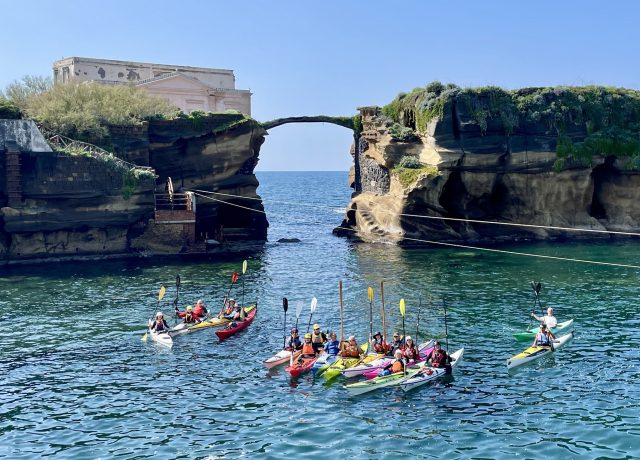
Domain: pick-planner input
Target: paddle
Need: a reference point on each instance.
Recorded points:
(446, 338)
(384, 324)
(175, 301)
(298, 311)
(341, 319)
(244, 270)
(418, 323)
(402, 310)
(370, 296)
(285, 306)
(234, 278)
(536, 292)
(293, 347)
(160, 296)
(314, 304)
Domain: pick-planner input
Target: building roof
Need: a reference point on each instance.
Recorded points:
(176, 68)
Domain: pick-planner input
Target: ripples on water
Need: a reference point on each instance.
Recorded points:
(77, 382)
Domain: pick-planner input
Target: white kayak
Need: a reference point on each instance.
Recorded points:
(535, 352)
(282, 357)
(428, 373)
(379, 363)
(162, 338)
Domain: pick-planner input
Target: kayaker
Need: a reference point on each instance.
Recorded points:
(294, 342)
(549, 320)
(410, 351)
(378, 343)
(199, 310)
(318, 338)
(438, 357)
(350, 349)
(308, 350)
(160, 324)
(397, 365)
(544, 337)
(396, 344)
(227, 309)
(332, 347)
(187, 316)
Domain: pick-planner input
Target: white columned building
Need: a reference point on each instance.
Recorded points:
(189, 88)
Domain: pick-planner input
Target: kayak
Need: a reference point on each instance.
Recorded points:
(322, 363)
(530, 334)
(162, 338)
(236, 326)
(427, 373)
(283, 356)
(537, 351)
(381, 381)
(372, 369)
(301, 366)
(184, 328)
(340, 364)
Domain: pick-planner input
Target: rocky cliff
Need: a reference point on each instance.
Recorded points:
(565, 157)
(65, 203)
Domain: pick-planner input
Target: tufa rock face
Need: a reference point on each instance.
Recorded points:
(462, 168)
(77, 205)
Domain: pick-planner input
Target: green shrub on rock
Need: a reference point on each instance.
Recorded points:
(9, 111)
(82, 110)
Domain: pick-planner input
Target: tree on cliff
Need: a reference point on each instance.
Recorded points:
(19, 92)
(82, 110)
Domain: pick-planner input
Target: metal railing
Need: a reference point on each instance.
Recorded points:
(174, 201)
(62, 142)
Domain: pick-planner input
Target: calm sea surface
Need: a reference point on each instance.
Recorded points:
(76, 381)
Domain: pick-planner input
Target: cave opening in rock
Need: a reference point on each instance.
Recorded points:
(600, 176)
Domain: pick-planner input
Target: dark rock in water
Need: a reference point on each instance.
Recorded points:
(289, 240)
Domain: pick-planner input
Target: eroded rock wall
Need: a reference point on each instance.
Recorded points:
(489, 175)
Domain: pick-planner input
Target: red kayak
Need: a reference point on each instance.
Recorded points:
(236, 326)
(301, 366)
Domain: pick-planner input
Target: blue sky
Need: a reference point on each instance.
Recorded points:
(331, 56)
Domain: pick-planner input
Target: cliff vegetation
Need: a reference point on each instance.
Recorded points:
(609, 116)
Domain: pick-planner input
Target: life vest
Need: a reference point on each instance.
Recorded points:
(333, 348)
(397, 366)
(411, 352)
(543, 340)
(438, 359)
(294, 343)
(188, 318)
(351, 351)
(307, 350)
(159, 326)
(317, 338)
(198, 310)
(378, 347)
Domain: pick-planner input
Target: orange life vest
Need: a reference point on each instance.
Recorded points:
(351, 351)
(307, 349)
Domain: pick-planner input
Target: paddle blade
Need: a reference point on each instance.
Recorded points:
(234, 277)
(299, 308)
(402, 307)
(314, 304)
(244, 267)
(161, 293)
(144, 337)
(177, 281)
(370, 294)
(285, 304)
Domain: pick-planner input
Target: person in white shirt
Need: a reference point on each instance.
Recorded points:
(549, 320)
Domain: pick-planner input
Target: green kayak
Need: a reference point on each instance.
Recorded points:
(381, 381)
(530, 334)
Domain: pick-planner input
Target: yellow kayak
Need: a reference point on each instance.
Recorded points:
(345, 363)
(215, 321)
